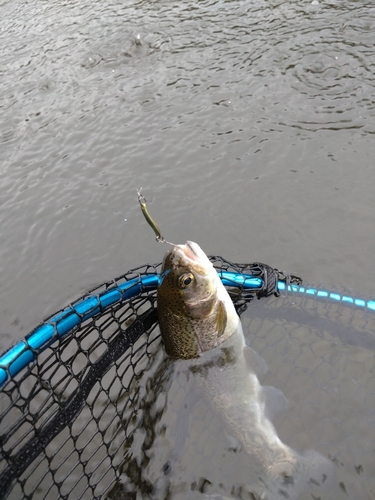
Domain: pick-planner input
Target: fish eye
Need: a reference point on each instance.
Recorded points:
(185, 280)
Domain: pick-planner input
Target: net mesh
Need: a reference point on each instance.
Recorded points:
(71, 420)
(100, 413)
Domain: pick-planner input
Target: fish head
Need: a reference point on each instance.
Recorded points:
(188, 279)
(195, 311)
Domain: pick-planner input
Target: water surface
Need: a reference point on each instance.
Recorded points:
(249, 126)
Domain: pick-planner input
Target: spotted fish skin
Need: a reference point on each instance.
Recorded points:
(196, 317)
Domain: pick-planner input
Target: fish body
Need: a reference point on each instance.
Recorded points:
(227, 379)
(202, 332)
(199, 323)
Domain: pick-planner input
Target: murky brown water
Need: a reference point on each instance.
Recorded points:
(250, 127)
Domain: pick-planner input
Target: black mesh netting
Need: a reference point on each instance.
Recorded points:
(81, 421)
(103, 413)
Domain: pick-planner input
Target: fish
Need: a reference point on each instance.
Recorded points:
(195, 311)
(201, 329)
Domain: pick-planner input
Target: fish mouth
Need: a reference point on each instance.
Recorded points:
(191, 255)
(192, 250)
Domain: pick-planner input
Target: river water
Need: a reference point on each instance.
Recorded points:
(250, 127)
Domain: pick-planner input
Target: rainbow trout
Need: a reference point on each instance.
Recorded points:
(199, 324)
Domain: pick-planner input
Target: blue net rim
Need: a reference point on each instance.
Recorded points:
(64, 322)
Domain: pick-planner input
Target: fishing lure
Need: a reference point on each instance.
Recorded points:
(150, 220)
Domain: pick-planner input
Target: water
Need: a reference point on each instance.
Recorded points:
(328, 379)
(181, 450)
(248, 125)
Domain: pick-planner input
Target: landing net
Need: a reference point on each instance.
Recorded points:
(81, 394)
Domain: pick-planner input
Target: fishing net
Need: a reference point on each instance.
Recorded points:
(90, 405)
(78, 419)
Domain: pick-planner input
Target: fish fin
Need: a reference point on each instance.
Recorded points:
(275, 401)
(313, 473)
(254, 361)
(221, 319)
(318, 470)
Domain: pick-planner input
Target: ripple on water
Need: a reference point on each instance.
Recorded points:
(296, 55)
(360, 26)
(315, 57)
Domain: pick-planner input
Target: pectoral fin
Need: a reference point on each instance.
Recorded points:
(221, 319)
(254, 361)
(275, 401)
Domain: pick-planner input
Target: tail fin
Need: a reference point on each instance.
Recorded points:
(312, 473)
